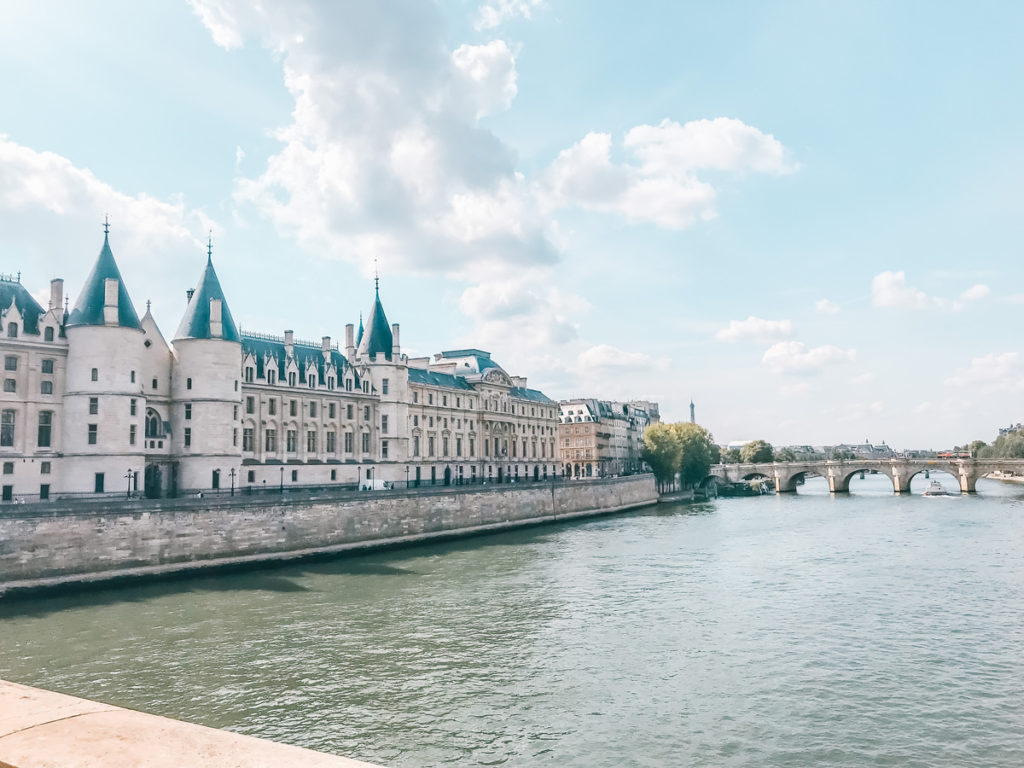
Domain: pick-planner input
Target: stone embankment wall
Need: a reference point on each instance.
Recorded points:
(59, 545)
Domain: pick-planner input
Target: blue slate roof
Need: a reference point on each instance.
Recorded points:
(23, 300)
(196, 322)
(261, 347)
(533, 395)
(472, 360)
(435, 379)
(377, 339)
(89, 307)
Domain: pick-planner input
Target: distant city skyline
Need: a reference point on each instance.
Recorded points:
(806, 217)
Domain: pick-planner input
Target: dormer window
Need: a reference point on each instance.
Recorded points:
(250, 372)
(330, 382)
(312, 381)
(271, 376)
(48, 334)
(291, 379)
(12, 330)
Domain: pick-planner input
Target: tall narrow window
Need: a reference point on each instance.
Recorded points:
(311, 441)
(12, 330)
(384, 425)
(48, 334)
(11, 363)
(188, 411)
(384, 386)
(188, 437)
(45, 427)
(188, 383)
(95, 374)
(132, 431)
(93, 431)
(7, 429)
(47, 366)
(133, 407)
(94, 406)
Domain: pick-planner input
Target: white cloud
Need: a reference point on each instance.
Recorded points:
(604, 357)
(793, 357)
(975, 292)
(496, 12)
(826, 307)
(864, 378)
(219, 18)
(991, 373)
(239, 157)
(890, 289)
(756, 329)
(490, 72)
(660, 185)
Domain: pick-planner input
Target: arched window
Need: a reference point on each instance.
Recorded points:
(154, 424)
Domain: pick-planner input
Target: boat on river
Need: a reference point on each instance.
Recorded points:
(935, 489)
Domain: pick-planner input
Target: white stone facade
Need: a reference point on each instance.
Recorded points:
(598, 438)
(97, 402)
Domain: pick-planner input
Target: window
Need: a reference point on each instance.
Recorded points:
(7, 429)
(12, 330)
(348, 442)
(251, 477)
(384, 424)
(234, 437)
(47, 366)
(430, 445)
(366, 413)
(272, 406)
(458, 446)
(444, 446)
(330, 385)
(234, 412)
(8, 467)
(312, 381)
(471, 451)
(8, 493)
(348, 384)
(430, 398)
(44, 467)
(312, 409)
(291, 379)
(95, 374)
(48, 334)
(11, 363)
(444, 400)
(94, 406)
(366, 442)
(415, 421)
(132, 407)
(44, 490)
(330, 410)
(132, 430)
(133, 377)
(383, 386)
(383, 449)
(293, 408)
(250, 404)
(188, 437)
(415, 396)
(249, 371)
(295, 475)
(270, 441)
(332, 446)
(248, 439)
(154, 383)
(311, 441)
(10, 385)
(415, 445)
(46, 387)
(271, 376)
(188, 411)
(98, 483)
(291, 441)
(334, 474)
(348, 412)
(45, 427)
(188, 383)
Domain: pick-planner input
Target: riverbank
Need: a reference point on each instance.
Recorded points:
(79, 544)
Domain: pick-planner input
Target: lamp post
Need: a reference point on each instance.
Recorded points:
(128, 477)
(232, 474)
(406, 477)
(281, 487)
(372, 473)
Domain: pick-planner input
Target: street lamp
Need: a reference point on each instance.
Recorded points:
(232, 474)
(281, 487)
(407, 477)
(128, 477)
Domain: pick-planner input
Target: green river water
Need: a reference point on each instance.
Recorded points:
(860, 630)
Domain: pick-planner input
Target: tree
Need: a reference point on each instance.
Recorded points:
(785, 454)
(662, 451)
(976, 447)
(756, 452)
(731, 456)
(838, 454)
(697, 452)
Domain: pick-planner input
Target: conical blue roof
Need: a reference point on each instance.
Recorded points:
(359, 338)
(196, 322)
(89, 307)
(377, 339)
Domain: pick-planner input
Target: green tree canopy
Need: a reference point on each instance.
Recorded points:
(697, 452)
(731, 456)
(757, 451)
(662, 451)
(785, 454)
(1008, 446)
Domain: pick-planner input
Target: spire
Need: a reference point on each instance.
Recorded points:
(376, 277)
(89, 307)
(377, 339)
(359, 338)
(197, 322)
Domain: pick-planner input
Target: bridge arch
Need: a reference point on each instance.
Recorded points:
(789, 483)
(843, 475)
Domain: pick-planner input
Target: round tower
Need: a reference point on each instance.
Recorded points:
(205, 389)
(104, 402)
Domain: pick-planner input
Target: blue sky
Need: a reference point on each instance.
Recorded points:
(806, 216)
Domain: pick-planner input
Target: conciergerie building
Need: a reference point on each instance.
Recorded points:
(96, 401)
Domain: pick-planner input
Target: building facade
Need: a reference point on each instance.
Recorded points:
(97, 402)
(598, 438)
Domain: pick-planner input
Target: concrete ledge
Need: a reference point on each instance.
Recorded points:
(42, 729)
(13, 588)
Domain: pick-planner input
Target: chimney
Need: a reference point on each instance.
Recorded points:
(110, 301)
(350, 346)
(325, 345)
(216, 325)
(396, 350)
(289, 343)
(57, 294)
(188, 295)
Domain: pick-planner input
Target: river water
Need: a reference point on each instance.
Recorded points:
(865, 630)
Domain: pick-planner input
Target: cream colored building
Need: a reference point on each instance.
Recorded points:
(598, 438)
(97, 402)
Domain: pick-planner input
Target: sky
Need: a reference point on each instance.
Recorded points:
(805, 216)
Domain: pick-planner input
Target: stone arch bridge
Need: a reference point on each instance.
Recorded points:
(787, 475)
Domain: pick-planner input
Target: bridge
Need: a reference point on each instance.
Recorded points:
(787, 475)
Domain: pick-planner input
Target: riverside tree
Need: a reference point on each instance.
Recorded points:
(662, 452)
(683, 448)
(757, 452)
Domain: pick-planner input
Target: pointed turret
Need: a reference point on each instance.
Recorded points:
(207, 315)
(104, 300)
(359, 336)
(377, 339)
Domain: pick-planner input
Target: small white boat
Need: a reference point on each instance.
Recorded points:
(935, 489)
